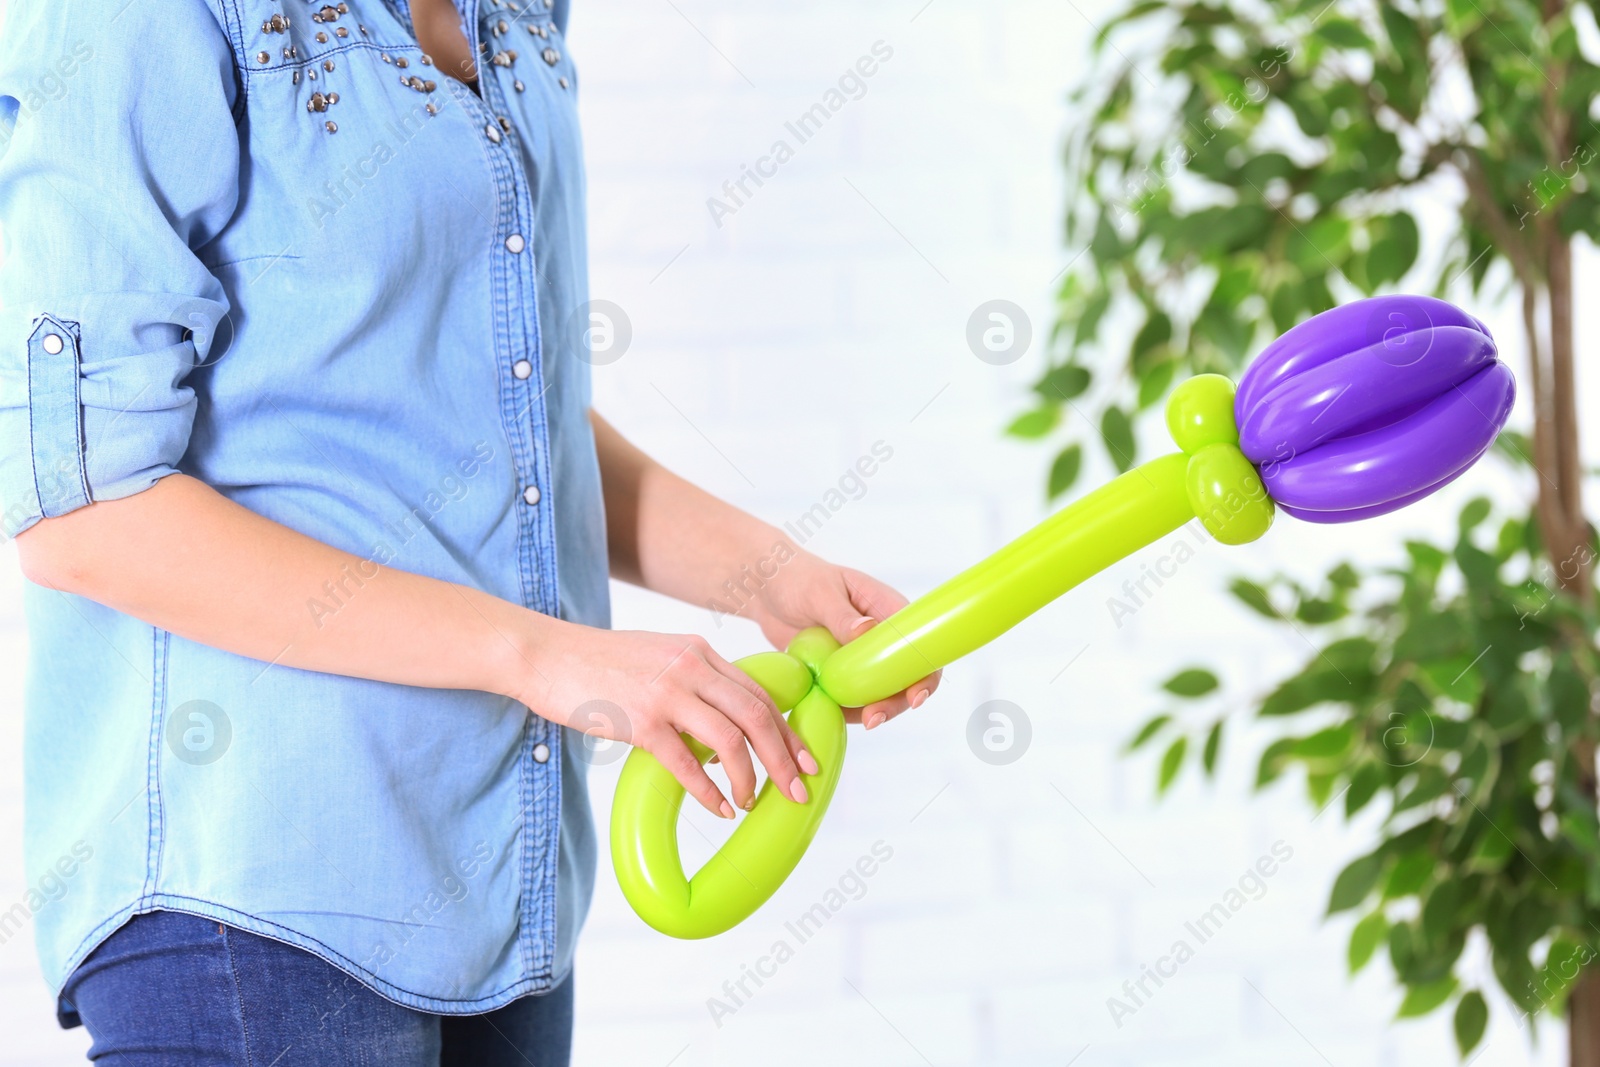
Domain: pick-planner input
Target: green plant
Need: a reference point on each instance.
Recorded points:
(1241, 167)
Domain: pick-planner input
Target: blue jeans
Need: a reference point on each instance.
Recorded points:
(176, 990)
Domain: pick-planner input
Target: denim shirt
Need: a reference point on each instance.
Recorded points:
(268, 244)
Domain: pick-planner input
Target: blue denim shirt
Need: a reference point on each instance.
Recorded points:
(267, 244)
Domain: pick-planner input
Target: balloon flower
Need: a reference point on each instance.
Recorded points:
(1361, 410)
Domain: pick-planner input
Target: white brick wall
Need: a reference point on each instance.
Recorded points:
(793, 337)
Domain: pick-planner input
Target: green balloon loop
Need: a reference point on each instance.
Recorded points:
(1210, 479)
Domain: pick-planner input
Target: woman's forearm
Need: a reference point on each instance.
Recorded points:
(183, 557)
(671, 536)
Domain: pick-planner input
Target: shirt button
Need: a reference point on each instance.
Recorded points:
(530, 495)
(53, 343)
(515, 244)
(522, 369)
(541, 752)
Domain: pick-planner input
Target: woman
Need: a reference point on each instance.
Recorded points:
(295, 442)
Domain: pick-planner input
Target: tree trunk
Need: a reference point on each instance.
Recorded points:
(1567, 539)
(1583, 1020)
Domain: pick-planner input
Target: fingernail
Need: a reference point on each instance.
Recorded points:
(918, 697)
(797, 791)
(714, 759)
(749, 802)
(807, 763)
(878, 719)
(865, 620)
(727, 812)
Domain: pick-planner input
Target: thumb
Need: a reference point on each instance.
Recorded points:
(846, 622)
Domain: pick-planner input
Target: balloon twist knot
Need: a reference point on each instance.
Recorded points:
(1224, 487)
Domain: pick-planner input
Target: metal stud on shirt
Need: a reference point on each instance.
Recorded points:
(522, 370)
(492, 132)
(53, 344)
(333, 127)
(518, 86)
(515, 244)
(541, 753)
(530, 495)
(551, 56)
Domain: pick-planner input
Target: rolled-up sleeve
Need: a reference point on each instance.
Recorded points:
(117, 166)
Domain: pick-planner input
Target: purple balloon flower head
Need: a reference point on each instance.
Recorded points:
(1371, 406)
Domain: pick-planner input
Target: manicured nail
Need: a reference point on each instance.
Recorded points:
(808, 764)
(918, 697)
(727, 812)
(878, 719)
(797, 791)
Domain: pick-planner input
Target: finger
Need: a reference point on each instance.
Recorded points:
(871, 597)
(763, 728)
(797, 748)
(668, 748)
(711, 727)
(875, 715)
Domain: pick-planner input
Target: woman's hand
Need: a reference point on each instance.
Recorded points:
(809, 591)
(667, 684)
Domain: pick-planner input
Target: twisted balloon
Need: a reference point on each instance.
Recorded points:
(1354, 413)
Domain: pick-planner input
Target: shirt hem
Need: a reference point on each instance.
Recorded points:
(406, 998)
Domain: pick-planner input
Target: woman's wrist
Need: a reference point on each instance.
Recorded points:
(517, 652)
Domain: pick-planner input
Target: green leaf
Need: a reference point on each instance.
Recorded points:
(1421, 999)
(1147, 731)
(1472, 1016)
(1364, 784)
(1342, 33)
(1253, 597)
(1117, 432)
(1155, 380)
(1193, 682)
(1066, 382)
(1475, 511)
(1355, 882)
(1394, 248)
(1156, 331)
(1408, 875)
(1273, 761)
(1493, 850)
(1562, 965)
(1035, 423)
(1208, 758)
(1171, 763)
(1327, 744)
(1365, 939)
(1064, 471)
